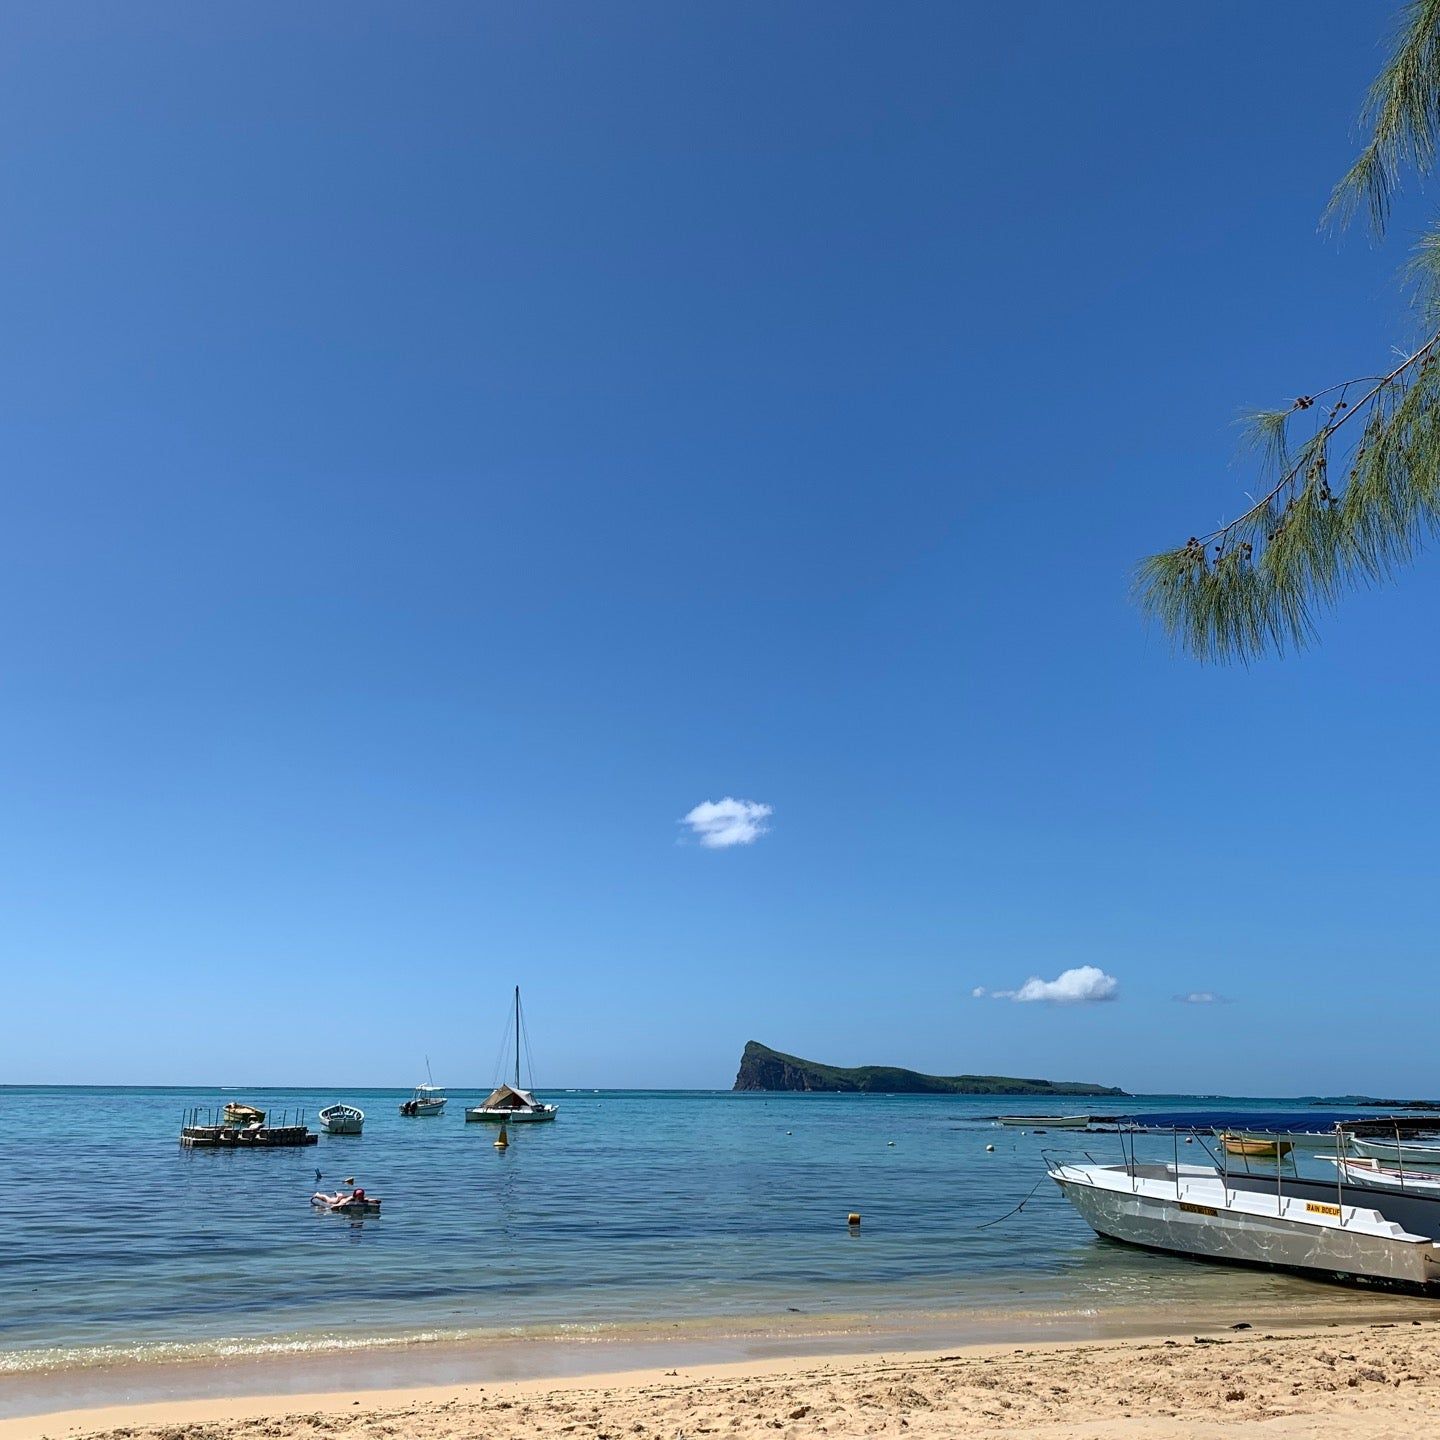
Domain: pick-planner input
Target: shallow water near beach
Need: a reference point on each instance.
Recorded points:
(634, 1210)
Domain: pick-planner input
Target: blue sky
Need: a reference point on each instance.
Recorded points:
(444, 445)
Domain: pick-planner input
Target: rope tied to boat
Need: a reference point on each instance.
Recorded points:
(1017, 1208)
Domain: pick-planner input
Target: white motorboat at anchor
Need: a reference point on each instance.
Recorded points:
(342, 1120)
(425, 1100)
(1342, 1230)
(1046, 1122)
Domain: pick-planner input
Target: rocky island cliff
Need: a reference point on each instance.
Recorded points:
(762, 1068)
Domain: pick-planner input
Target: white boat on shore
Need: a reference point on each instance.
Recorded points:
(509, 1104)
(1284, 1222)
(342, 1120)
(1046, 1122)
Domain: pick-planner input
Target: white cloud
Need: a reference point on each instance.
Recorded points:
(1084, 985)
(1202, 997)
(719, 824)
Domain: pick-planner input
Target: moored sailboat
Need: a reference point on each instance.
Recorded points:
(509, 1104)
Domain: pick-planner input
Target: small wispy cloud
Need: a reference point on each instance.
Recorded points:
(1202, 997)
(719, 824)
(1084, 985)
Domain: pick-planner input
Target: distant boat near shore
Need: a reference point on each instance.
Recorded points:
(1047, 1122)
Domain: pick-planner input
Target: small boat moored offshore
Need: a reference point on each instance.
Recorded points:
(342, 1120)
(238, 1114)
(1254, 1147)
(1047, 1122)
(1333, 1231)
(1397, 1152)
(426, 1100)
(1373, 1172)
(509, 1104)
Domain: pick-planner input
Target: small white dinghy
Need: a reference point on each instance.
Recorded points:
(342, 1120)
(1046, 1122)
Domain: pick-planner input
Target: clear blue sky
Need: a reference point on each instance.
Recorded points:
(444, 444)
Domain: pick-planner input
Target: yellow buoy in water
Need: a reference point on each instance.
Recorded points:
(502, 1140)
(853, 1218)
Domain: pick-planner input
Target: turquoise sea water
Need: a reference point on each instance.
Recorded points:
(633, 1207)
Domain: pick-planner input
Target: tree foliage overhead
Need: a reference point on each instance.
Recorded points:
(1349, 475)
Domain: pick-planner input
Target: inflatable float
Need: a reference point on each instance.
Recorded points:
(358, 1203)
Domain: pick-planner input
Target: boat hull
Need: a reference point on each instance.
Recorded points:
(1412, 1156)
(1193, 1228)
(477, 1114)
(1047, 1122)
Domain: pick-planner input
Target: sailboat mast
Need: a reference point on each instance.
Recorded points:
(517, 1037)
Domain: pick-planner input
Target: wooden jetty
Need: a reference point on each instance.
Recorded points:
(210, 1129)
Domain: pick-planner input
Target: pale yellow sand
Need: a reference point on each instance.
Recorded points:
(1358, 1383)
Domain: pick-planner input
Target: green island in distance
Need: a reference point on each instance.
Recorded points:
(762, 1068)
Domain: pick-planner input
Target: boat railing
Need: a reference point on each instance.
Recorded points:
(1220, 1159)
(214, 1118)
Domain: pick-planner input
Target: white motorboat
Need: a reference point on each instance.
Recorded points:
(425, 1100)
(509, 1104)
(1046, 1122)
(342, 1120)
(1397, 1152)
(1284, 1222)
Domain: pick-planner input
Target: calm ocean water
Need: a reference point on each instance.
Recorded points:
(633, 1207)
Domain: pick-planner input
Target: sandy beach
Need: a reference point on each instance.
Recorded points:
(1371, 1382)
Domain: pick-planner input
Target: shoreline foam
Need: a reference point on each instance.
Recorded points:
(1368, 1381)
(371, 1366)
